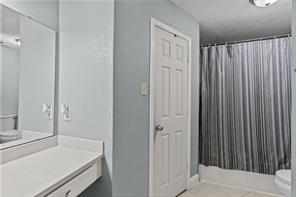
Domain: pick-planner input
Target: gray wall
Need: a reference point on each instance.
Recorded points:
(37, 75)
(131, 110)
(86, 77)
(44, 11)
(294, 102)
(9, 80)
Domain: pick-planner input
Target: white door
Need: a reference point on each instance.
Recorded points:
(171, 113)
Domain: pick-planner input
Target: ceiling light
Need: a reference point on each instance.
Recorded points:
(263, 3)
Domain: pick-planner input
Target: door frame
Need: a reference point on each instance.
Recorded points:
(156, 23)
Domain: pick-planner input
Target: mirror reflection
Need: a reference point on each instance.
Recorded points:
(27, 50)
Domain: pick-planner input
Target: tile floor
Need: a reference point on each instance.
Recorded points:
(213, 190)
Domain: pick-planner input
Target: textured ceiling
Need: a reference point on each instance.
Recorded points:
(233, 20)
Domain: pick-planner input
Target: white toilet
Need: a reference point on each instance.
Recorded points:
(283, 180)
(8, 136)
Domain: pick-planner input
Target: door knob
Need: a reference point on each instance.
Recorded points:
(159, 128)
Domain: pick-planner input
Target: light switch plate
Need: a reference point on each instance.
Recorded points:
(144, 89)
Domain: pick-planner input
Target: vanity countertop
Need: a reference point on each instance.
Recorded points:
(42, 172)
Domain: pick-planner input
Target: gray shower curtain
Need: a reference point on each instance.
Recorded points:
(246, 106)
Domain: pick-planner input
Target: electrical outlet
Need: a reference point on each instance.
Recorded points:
(48, 111)
(65, 110)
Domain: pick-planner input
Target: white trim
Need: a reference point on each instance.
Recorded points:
(189, 109)
(151, 110)
(194, 181)
(240, 179)
(156, 23)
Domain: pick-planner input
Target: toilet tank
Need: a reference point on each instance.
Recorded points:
(8, 122)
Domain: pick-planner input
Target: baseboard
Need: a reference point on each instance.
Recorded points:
(193, 181)
(241, 179)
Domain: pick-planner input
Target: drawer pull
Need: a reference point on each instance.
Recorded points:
(68, 193)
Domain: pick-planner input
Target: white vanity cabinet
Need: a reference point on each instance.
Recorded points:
(79, 183)
(63, 170)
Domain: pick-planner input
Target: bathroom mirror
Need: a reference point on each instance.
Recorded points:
(27, 85)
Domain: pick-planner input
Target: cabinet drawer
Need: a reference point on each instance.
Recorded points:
(79, 183)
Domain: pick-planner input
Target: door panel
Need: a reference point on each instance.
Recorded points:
(180, 52)
(165, 160)
(178, 153)
(165, 91)
(179, 93)
(166, 48)
(171, 113)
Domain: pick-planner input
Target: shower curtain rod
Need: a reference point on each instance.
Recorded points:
(250, 40)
